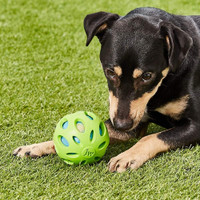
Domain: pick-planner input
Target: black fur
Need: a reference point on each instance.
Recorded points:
(138, 40)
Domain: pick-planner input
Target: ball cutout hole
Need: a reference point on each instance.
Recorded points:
(88, 116)
(91, 135)
(83, 162)
(80, 127)
(76, 140)
(69, 162)
(97, 158)
(65, 125)
(72, 155)
(64, 141)
(101, 145)
(101, 129)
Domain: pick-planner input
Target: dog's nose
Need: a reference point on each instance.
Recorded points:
(123, 124)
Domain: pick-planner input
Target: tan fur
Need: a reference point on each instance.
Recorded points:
(102, 27)
(147, 148)
(138, 106)
(118, 70)
(113, 105)
(165, 72)
(175, 108)
(137, 73)
(35, 150)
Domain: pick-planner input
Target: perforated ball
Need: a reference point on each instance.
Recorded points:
(81, 138)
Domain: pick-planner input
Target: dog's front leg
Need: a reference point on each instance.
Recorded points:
(35, 150)
(46, 148)
(149, 146)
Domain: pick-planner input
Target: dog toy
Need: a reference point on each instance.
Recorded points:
(80, 138)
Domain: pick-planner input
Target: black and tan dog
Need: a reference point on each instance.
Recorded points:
(151, 60)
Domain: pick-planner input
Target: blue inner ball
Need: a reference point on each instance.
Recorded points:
(76, 139)
(89, 117)
(64, 141)
(100, 131)
(65, 125)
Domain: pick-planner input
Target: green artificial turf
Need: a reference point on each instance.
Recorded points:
(47, 72)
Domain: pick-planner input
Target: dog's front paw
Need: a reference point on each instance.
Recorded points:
(124, 161)
(35, 150)
(27, 151)
(147, 148)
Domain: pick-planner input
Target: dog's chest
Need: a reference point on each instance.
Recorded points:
(175, 108)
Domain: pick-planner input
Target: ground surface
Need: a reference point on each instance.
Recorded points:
(46, 72)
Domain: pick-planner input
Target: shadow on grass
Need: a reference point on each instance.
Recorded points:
(115, 149)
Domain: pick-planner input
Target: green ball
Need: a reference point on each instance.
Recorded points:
(81, 138)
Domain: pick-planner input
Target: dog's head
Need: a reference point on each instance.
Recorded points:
(136, 54)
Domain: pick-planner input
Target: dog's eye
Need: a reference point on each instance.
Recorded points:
(146, 76)
(111, 74)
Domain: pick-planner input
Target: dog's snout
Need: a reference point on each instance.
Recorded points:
(123, 124)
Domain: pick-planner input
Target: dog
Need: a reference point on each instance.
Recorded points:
(151, 60)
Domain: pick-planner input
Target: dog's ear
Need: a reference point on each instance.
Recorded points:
(97, 23)
(178, 43)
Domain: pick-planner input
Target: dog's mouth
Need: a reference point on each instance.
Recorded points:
(129, 124)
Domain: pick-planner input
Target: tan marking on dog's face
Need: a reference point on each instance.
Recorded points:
(165, 72)
(175, 108)
(137, 73)
(138, 106)
(145, 149)
(118, 70)
(113, 105)
(102, 27)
